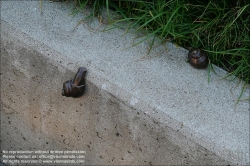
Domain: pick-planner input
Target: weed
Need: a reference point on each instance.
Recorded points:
(219, 27)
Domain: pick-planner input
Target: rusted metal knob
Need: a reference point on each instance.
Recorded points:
(76, 87)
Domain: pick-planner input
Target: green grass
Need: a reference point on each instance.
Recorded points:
(219, 27)
(222, 28)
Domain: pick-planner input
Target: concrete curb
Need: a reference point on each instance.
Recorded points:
(165, 87)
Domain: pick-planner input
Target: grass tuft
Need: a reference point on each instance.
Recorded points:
(219, 27)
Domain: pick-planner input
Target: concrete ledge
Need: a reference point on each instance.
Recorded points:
(144, 98)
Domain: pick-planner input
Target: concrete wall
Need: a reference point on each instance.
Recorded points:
(36, 117)
(121, 119)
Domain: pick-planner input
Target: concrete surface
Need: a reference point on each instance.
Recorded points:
(138, 109)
